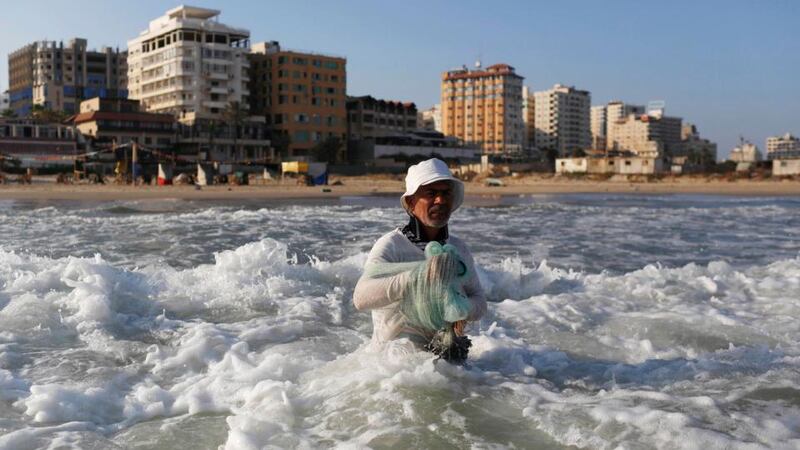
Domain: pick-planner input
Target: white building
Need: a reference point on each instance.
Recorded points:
(745, 153)
(431, 118)
(781, 147)
(622, 165)
(562, 119)
(189, 64)
(598, 127)
(785, 167)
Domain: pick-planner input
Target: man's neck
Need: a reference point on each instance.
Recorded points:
(415, 232)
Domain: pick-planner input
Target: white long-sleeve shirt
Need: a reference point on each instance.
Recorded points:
(382, 296)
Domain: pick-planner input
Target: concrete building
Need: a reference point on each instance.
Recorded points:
(562, 120)
(528, 119)
(189, 64)
(698, 151)
(783, 147)
(646, 135)
(785, 167)
(616, 112)
(745, 152)
(119, 120)
(368, 118)
(302, 94)
(430, 119)
(30, 143)
(209, 140)
(58, 76)
(400, 148)
(483, 108)
(598, 127)
(607, 165)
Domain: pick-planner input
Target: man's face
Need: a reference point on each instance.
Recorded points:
(432, 204)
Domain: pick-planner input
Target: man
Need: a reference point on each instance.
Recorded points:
(432, 194)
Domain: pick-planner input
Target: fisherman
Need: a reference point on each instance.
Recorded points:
(432, 195)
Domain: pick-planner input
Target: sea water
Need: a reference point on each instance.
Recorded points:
(614, 322)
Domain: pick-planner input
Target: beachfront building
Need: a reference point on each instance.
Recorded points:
(786, 167)
(624, 163)
(483, 108)
(698, 151)
(368, 118)
(783, 147)
(399, 149)
(646, 135)
(528, 119)
(120, 121)
(597, 126)
(189, 64)
(302, 95)
(32, 143)
(57, 77)
(562, 120)
(430, 119)
(745, 152)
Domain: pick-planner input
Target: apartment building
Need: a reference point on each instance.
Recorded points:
(31, 143)
(58, 76)
(430, 119)
(483, 107)
(562, 119)
(189, 64)
(783, 147)
(597, 125)
(121, 121)
(528, 118)
(370, 118)
(646, 135)
(302, 94)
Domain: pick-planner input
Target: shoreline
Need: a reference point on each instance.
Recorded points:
(369, 186)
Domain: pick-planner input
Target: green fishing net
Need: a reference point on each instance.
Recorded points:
(432, 299)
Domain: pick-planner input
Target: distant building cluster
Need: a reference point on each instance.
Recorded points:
(191, 86)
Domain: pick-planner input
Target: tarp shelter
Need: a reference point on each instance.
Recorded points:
(318, 171)
(164, 174)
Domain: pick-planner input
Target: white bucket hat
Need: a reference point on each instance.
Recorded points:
(427, 172)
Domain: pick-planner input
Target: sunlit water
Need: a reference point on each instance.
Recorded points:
(615, 322)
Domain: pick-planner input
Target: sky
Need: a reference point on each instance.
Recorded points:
(730, 67)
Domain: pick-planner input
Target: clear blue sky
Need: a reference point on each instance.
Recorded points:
(730, 67)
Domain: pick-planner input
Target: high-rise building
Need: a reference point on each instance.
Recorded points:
(483, 107)
(598, 127)
(189, 64)
(302, 94)
(616, 113)
(562, 120)
(58, 76)
(782, 147)
(528, 118)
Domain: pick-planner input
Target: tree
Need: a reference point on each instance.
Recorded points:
(327, 150)
(234, 115)
(8, 113)
(44, 114)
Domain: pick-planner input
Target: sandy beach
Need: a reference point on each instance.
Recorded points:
(376, 185)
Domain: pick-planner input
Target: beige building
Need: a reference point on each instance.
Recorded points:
(786, 167)
(621, 165)
(562, 120)
(598, 127)
(528, 118)
(783, 147)
(745, 152)
(483, 107)
(430, 119)
(120, 121)
(58, 76)
(303, 96)
(189, 64)
(646, 135)
(616, 112)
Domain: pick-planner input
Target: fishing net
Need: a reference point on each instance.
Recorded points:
(433, 299)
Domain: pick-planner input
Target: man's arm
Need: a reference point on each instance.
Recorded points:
(378, 292)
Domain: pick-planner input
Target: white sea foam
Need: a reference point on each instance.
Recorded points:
(260, 346)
